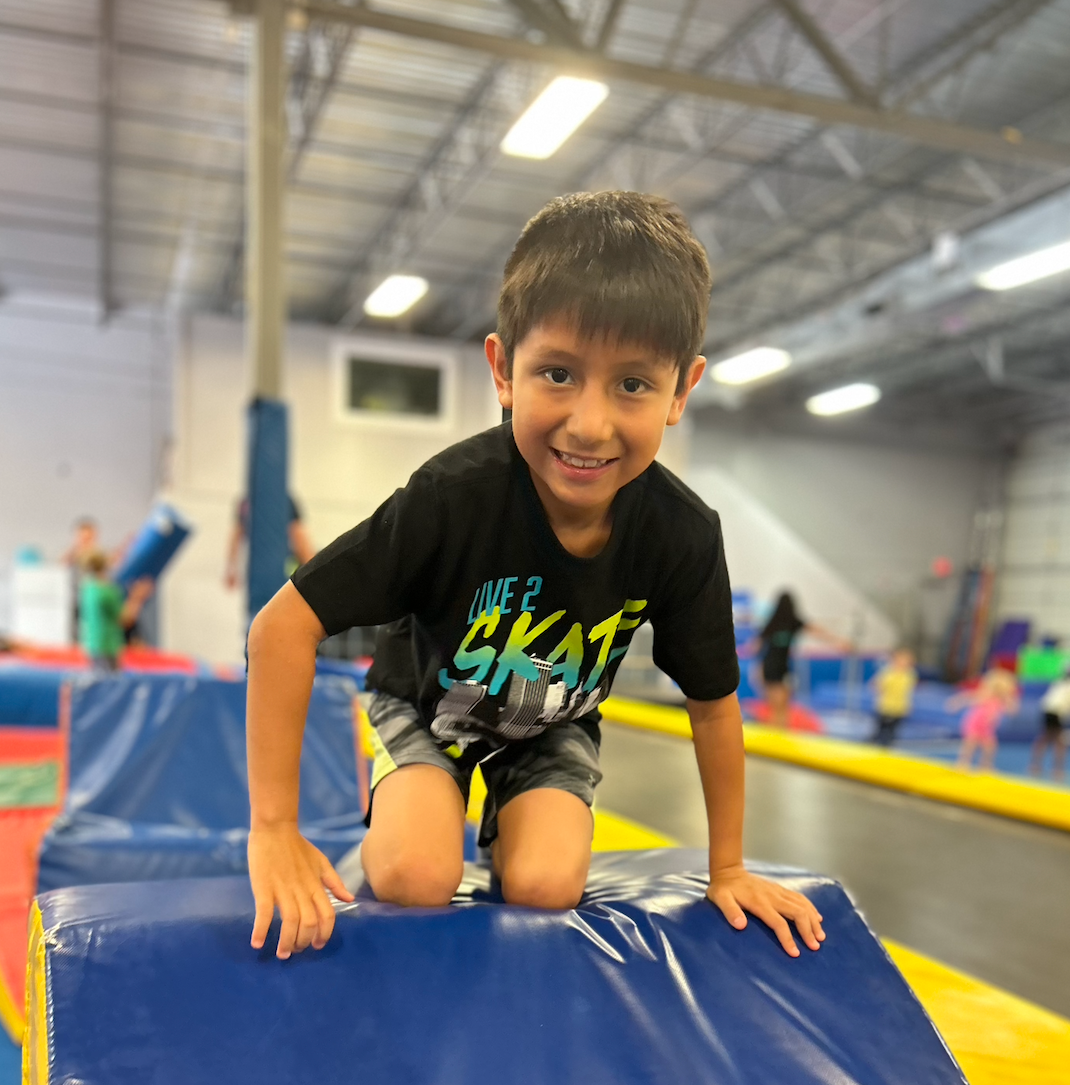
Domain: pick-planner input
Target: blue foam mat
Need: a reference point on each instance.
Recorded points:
(158, 780)
(29, 696)
(645, 982)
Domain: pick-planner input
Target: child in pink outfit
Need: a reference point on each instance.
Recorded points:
(995, 695)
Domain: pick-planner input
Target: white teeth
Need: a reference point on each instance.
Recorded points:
(576, 461)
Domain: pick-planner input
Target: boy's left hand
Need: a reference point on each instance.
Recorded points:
(736, 890)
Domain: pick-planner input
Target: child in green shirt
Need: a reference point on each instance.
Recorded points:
(105, 611)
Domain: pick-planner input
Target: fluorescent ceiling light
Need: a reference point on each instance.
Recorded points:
(751, 365)
(561, 108)
(394, 295)
(1027, 269)
(848, 398)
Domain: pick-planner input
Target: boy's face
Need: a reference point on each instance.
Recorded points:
(903, 659)
(588, 415)
(85, 536)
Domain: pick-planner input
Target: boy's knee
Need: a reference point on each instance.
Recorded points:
(535, 885)
(416, 881)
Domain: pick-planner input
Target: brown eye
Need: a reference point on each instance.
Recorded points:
(559, 376)
(632, 384)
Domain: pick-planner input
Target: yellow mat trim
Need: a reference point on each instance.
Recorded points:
(10, 1015)
(991, 792)
(998, 1038)
(35, 1039)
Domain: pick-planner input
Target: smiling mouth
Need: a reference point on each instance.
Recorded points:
(580, 461)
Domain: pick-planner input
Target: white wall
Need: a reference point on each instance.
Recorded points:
(84, 423)
(339, 471)
(1034, 581)
(872, 515)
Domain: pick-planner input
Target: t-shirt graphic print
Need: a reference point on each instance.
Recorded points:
(494, 631)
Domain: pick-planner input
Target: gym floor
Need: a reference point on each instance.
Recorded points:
(981, 893)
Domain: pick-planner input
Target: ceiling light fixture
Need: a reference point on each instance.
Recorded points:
(848, 398)
(751, 365)
(561, 108)
(395, 295)
(1027, 269)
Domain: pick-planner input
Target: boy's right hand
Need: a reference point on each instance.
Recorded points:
(289, 873)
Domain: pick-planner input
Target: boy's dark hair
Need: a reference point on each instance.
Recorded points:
(619, 264)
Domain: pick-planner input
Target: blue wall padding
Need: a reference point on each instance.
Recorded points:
(158, 779)
(154, 546)
(644, 983)
(930, 717)
(29, 696)
(269, 501)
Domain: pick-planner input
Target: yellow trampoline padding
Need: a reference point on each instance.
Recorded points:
(991, 792)
(615, 833)
(35, 1038)
(998, 1038)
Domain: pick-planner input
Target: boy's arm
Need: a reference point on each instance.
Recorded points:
(230, 571)
(285, 870)
(718, 731)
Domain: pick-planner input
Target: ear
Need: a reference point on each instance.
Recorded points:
(694, 375)
(494, 348)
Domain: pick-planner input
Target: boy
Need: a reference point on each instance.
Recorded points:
(514, 567)
(894, 684)
(105, 612)
(1055, 707)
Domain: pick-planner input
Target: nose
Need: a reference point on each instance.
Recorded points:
(590, 421)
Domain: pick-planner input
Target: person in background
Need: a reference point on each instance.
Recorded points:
(106, 612)
(301, 548)
(85, 543)
(1055, 724)
(894, 685)
(775, 643)
(996, 695)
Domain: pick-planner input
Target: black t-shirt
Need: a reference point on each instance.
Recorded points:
(495, 630)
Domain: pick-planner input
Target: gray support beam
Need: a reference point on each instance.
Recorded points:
(1010, 144)
(106, 156)
(609, 24)
(552, 20)
(849, 79)
(309, 94)
(265, 297)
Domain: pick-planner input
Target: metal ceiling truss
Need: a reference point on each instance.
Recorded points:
(772, 187)
(106, 157)
(855, 87)
(930, 131)
(314, 74)
(464, 154)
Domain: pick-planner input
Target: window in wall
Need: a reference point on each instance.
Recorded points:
(406, 385)
(393, 388)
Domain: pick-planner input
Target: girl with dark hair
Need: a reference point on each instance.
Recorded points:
(776, 638)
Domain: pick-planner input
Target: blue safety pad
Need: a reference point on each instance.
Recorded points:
(930, 717)
(29, 696)
(85, 849)
(645, 982)
(270, 508)
(155, 544)
(158, 785)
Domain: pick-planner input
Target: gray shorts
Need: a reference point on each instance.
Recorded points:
(564, 756)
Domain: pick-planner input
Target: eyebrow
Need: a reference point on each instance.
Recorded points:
(555, 354)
